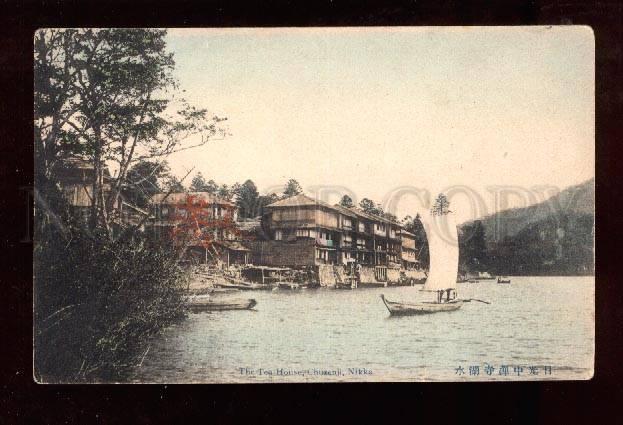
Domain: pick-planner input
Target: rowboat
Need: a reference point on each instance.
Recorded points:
(409, 309)
(198, 305)
(502, 280)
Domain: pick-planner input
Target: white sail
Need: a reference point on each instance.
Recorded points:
(443, 248)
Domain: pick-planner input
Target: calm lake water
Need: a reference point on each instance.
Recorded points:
(539, 327)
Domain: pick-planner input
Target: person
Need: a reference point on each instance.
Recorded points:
(448, 292)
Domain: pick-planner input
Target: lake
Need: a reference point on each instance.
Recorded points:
(534, 328)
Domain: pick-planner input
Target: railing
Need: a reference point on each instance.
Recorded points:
(325, 242)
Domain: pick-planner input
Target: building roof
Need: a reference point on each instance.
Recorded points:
(135, 208)
(180, 198)
(299, 200)
(74, 164)
(375, 217)
(302, 200)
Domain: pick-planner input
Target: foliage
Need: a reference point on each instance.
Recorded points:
(441, 205)
(554, 237)
(473, 248)
(248, 200)
(415, 226)
(370, 207)
(105, 95)
(292, 188)
(173, 185)
(196, 225)
(198, 183)
(98, 302)
(145, 179)
(346, 202)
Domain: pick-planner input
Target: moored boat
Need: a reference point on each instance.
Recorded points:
(197, 305)
(502, 279)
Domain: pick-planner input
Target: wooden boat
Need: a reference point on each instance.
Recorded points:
(217, 291)
(473, 281)
(233, 283)
(485, 276)
(198, 305)
(442, 276)
(409, 309)
(503, 280)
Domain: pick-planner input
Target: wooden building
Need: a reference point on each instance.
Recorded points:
(307, 232)
(76, 179)
(206, 222)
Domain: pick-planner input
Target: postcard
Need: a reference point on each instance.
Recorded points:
(276, 205)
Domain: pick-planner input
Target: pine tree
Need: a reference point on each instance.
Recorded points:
(292, 188)
(441, 205)
(346, 202)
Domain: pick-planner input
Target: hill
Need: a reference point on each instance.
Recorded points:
(554, 237)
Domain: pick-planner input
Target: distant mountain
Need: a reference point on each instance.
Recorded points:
(554, 237)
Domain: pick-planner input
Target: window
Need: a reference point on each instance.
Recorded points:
(305, 233)
(278, 235)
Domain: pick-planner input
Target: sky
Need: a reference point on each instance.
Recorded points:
(379, 112)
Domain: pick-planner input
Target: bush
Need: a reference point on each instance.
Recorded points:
(98, 302)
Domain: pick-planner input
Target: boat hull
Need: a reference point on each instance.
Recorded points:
(411, 309)
(212, 305)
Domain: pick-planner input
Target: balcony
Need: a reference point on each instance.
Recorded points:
(325, 242)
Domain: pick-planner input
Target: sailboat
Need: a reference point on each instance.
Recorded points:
(440, 286)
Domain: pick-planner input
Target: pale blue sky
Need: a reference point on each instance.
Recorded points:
(376, 109)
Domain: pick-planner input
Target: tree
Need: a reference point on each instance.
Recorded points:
(145, 179)
(264, 200)
(370, 207)
(292, 188)
(390, 216)
(104, 95)
(195, 225)
(248, 200)
(346, 202)
(415, 226)
(473, 247)
(198, 183)
(441, 205)
(225, 192)
(212, 187)
(173, 185)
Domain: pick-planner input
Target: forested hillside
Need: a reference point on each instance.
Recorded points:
(554, 237)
